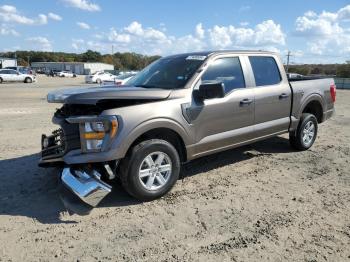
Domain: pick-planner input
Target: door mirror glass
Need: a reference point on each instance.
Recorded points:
(210, 90)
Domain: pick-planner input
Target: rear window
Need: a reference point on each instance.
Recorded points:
(265, 70)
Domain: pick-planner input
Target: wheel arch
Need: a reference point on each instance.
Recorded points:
(313, 105)
(164, 129)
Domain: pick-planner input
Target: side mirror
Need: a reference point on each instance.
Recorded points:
(210, 90)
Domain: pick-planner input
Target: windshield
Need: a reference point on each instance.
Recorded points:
(168, 72)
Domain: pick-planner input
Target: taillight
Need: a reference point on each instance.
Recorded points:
(333, 90)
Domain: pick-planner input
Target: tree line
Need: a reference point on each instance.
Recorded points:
(339, 70)
(133, 61)
(121, 61)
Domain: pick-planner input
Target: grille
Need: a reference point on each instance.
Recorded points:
(62, 141)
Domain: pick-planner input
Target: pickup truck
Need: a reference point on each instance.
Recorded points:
(178, 108)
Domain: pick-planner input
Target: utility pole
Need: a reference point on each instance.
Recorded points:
(28, 60)
(288, 56)
(112, 49)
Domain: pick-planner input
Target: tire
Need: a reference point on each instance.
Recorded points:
(98, 81)
(142, 181)
(305, 135)
(28, 80)
(0, 80)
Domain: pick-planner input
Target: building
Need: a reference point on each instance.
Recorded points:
(79, 68)
(5, 62)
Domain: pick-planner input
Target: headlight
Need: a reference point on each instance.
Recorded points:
(96, 133)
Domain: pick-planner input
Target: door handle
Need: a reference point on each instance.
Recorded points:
(283, 96)
(245, 102)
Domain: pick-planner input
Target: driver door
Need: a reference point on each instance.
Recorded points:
(220, 123)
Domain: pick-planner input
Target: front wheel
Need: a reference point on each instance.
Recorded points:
(150, 170)
(305, 135)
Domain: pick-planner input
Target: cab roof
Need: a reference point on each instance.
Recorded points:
(216, 52)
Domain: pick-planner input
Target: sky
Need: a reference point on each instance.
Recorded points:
(314, 31)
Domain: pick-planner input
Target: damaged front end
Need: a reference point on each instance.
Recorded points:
(72, 146)
(83, 145)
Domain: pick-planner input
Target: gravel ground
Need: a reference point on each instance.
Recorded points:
(263, 202)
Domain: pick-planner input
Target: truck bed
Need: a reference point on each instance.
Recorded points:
(305, 88)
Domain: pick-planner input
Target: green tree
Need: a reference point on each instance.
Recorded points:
(91, 56)
(344, 70)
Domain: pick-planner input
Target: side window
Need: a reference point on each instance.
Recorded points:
(12, 72)
(227, 70)
(265, 70)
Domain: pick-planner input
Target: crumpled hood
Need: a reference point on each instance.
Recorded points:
(93, 95)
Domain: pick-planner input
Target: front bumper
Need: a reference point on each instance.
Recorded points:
(87, 185)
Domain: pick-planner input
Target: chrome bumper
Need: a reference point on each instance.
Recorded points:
(88, 187)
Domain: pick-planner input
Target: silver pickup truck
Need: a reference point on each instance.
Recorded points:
(177, 109)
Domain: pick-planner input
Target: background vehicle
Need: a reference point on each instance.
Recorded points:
(99, 77)
(22, 69)
(66, 74)
(10, 75)
(120, 79)
(177, 109)
(52, 72)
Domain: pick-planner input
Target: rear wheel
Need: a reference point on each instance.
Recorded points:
(28, 80)
(306, 133)
(150, 170)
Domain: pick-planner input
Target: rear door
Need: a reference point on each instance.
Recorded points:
(272, 96)
(6, 75)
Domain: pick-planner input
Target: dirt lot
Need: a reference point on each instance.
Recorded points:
(257, 203)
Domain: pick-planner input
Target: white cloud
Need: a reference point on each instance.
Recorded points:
(83, 25)
(42, 19)
(147, 40)
(10, 14)
(264, 34)
(6, 30)
(114, 36)
(344, 13)
(78, 44)
(83, 5)
(40, 43)
(8, 9)
(55, 17)
(134, 28)
(200, 33)
(325, 32)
